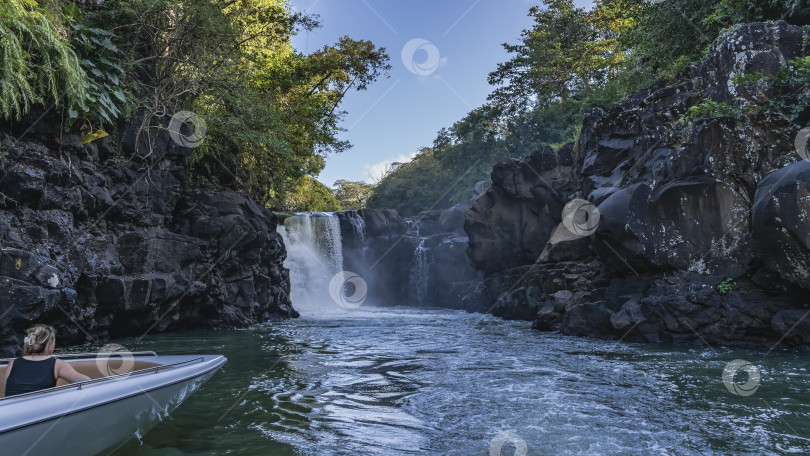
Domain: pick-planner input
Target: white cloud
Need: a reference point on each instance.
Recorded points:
(376, 171)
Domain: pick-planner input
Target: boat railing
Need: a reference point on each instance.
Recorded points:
(123, 354)
(78, 385)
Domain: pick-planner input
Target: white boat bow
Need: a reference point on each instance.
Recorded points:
(101, 414)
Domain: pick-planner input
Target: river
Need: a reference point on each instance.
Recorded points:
(403, 381)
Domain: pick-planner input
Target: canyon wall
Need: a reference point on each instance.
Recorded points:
(660, 229)
(108, 240)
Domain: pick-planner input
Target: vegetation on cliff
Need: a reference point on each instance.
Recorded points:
(272, 113)
(569, 62)
(37, 62)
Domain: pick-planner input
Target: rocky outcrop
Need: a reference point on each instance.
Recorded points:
(672, 230)
(511, 223)
(101, 247)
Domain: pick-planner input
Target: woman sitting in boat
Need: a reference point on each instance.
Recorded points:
(37, 369)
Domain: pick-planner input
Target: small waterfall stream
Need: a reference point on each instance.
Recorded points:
(359, 230)
(314, 256)
(418, 275)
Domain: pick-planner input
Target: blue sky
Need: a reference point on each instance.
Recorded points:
(450, 46)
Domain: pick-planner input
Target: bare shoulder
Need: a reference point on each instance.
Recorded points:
(60, 365)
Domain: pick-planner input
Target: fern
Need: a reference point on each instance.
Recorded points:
(37, 64)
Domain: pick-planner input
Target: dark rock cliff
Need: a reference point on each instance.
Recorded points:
(416, 261)
(107, 242)
(659, 230)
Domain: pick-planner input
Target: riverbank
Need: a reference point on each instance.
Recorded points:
(671, 220)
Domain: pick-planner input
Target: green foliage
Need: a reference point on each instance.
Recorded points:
(37, 63)
(567, 51)
(793, 100)
(729, 12)
(92, 136)
(747, 79)
(107, 97)
(711, 108)
(352, 195)
(671, 33)
(272, 113)
(726, 286)
(568, 62)
(309, 195)
(412, 186)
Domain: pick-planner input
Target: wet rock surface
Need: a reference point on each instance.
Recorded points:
(700, 229)
(414, 261)
(103, 247)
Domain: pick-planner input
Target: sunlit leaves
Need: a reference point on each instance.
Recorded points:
(352, 195)
(272, 113)
(37, 64)
(567, 51)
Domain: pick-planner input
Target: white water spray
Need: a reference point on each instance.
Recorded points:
(418, 275)
(314, 256)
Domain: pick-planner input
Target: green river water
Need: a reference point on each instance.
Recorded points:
(404, 381)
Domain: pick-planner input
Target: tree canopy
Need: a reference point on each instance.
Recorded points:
(309, 195)
(352, 195)
(272, 113)
(570, 61)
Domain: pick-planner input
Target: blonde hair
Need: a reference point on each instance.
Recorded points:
(37, 339)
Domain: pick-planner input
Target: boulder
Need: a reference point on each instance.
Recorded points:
(512, 222)
(781, 222)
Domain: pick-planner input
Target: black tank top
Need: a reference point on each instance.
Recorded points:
(27, 376)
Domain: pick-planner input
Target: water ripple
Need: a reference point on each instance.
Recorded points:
(418, 381)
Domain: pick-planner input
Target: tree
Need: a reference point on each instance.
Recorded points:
(272, 113)
(730, 12)
(352, 195)
(413, 186)
(567, 51)
(569, 62)
(309, 195)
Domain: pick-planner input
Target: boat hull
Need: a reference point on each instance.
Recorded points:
(99, 418)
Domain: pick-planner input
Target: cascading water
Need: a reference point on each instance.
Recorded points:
(314, 256)
(418, 275)
(413, 227)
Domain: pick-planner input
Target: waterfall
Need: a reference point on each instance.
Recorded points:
(314, 256)
(418, 275)
(413, 228)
